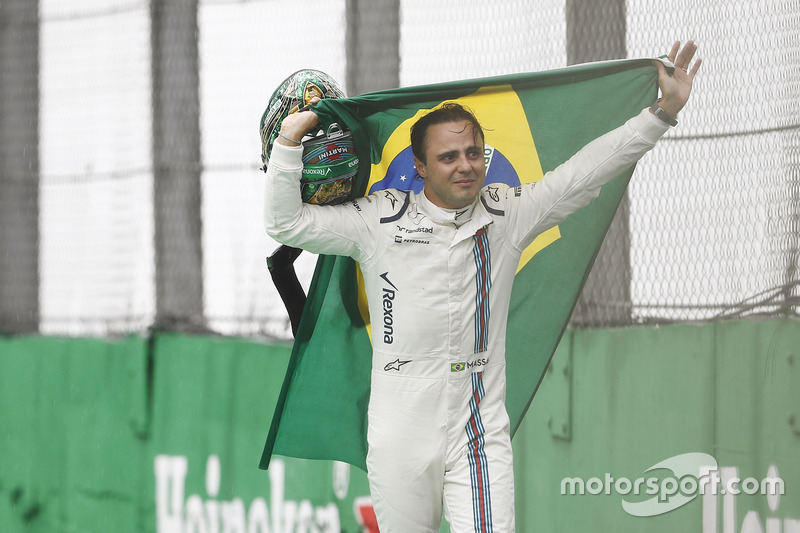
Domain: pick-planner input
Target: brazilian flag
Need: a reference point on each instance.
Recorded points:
(533, 123)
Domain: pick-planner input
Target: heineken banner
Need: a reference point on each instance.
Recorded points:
(533, 123)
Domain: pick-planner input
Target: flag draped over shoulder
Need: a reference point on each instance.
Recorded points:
(533, 123)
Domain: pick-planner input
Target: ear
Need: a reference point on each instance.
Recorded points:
(420, 166)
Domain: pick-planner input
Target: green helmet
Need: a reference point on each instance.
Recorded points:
(330, 165)
(294, 93)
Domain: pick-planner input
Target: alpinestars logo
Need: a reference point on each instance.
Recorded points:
(388, 316)
(395, 365)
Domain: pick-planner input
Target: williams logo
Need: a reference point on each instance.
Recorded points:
(388, 316)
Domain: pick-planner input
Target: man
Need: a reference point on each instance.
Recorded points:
(438, 431)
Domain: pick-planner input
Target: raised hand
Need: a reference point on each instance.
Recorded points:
(675, 89)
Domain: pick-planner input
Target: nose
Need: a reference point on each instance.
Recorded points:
(463, 164)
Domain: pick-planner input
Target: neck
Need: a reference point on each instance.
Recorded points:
(445, 215)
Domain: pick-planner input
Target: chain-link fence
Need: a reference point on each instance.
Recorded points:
(716, 207)
(714, 210)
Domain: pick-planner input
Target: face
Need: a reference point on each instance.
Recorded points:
(454, 169)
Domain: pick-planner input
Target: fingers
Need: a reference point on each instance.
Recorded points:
(674, 52)
(661, 69)
(696, 67)
(308, 106)
(684, 58)
(296, 126)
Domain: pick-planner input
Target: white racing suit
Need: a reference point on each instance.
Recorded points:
(438, 284)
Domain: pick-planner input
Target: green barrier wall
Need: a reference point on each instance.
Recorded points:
(617, 402)
(164, 434)
(156, 435)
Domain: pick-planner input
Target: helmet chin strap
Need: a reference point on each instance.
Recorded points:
(281, 269)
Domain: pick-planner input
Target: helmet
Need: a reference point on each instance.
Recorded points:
(329, 159)
(329, 166)
(293, 93)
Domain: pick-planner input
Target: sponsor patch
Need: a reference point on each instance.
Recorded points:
(398, 239)
(388, 316)
(395, 365)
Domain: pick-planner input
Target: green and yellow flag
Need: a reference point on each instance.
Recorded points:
(533, 123)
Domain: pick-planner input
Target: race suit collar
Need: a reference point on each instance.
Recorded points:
(469, 222)
(440, 215)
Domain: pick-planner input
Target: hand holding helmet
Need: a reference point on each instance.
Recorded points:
(329, 160)
(286, 121)
(297, 125)
(293, 94)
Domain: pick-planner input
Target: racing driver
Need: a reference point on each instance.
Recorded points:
(439, 439)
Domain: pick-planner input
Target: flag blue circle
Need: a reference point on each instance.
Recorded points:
(402, 174)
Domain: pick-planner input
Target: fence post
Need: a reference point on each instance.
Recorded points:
(596, 31)
(177, 164)
(372, 45)
(19, 166)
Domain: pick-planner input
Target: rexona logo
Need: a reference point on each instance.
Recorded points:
(321, 171)
(388, 303)
(177, 513)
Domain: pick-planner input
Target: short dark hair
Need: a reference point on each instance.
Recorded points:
(448, 112)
